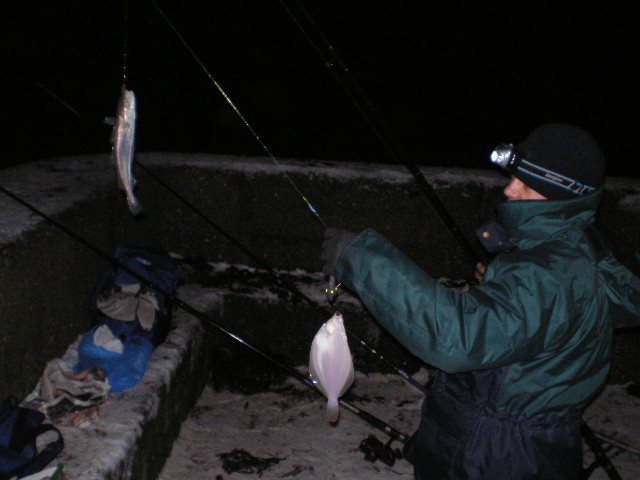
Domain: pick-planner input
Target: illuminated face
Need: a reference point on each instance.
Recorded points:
(517, 190)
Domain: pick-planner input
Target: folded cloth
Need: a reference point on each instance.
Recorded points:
(62, 390)
(128, 306)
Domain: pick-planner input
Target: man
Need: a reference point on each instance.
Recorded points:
(521, 354)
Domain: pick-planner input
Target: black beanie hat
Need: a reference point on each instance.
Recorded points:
(563, 149)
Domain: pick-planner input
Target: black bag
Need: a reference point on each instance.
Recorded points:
(156, 275)
(19, 428)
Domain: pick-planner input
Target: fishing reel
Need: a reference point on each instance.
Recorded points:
(374, 449)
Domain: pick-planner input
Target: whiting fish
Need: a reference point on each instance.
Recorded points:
(122, 141)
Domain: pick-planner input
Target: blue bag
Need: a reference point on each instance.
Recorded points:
(124, 370)
(19, 428)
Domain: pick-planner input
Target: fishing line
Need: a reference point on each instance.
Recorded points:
(369, 418)
(57, 98)
(125, 49)
(235, 109)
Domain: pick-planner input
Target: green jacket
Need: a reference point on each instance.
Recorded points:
(546, 310)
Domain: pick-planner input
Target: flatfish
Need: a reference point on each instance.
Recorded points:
(330, 363)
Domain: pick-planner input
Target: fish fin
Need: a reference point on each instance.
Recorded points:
(110, 121)
(333, 410)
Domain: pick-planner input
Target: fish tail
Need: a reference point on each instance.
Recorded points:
(135, 206)
(333, 411)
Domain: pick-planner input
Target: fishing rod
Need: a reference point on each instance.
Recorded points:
(393, 433)
(342, 73)
(385, 134)
(397, 369)
(236, 110)
(388, 138)
(601, 456)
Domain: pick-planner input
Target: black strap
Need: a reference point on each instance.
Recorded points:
(48, 453)
(22, 428)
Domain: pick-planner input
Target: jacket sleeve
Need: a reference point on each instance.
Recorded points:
(483, 328)
(622, 287)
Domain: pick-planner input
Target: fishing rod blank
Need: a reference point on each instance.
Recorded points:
(266, 149)
(329, 56)
(369, 418)
(236, 110)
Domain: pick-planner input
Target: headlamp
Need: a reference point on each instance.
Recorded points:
(506, 156)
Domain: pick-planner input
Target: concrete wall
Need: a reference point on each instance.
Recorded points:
(46, 277)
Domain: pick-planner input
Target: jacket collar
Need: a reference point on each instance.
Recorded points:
(526, 220)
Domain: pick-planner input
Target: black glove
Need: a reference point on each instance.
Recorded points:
(335, 240)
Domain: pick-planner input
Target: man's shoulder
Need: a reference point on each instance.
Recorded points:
(552, 258)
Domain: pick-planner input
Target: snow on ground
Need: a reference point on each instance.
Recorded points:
(289, 423)
(615, 418)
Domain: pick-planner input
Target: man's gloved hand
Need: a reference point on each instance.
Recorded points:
(335, 240)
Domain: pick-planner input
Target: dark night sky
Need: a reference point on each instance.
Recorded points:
(452, 79)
